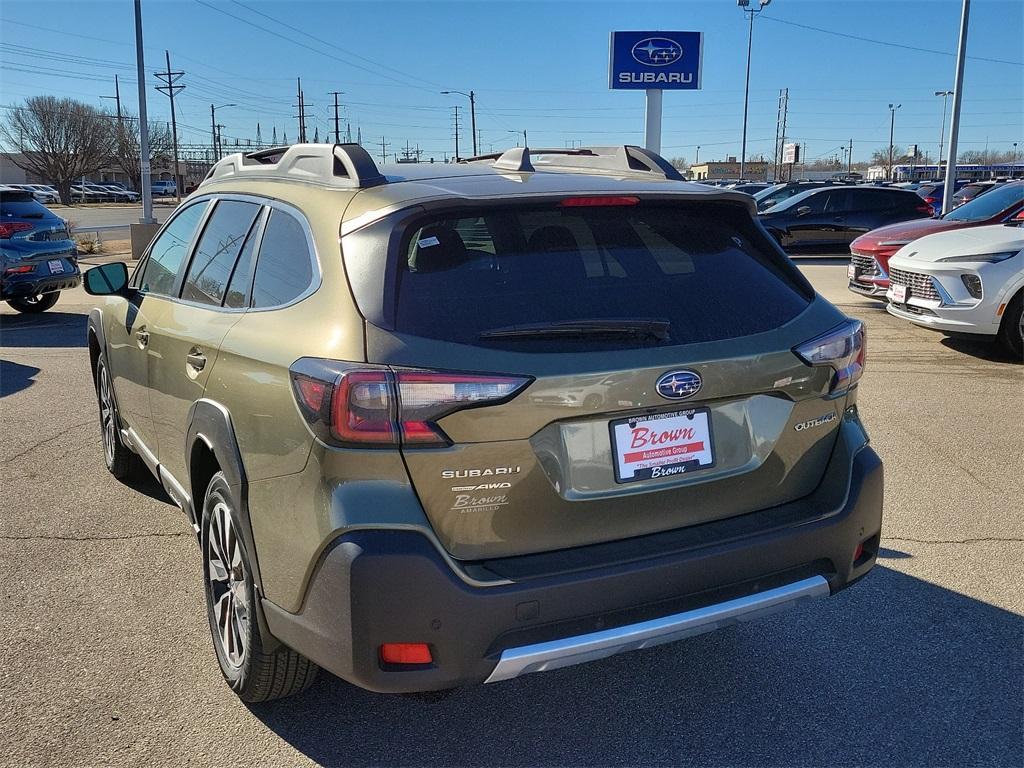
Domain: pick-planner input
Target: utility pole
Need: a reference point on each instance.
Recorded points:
(213, 133)
(147, 188)
(456, 108)
(782, 135)
(302, 110)
(849, 159)
(696, 160)
(892, 127)
(169, 79)
(337, 130)
(954, 122)
(472, 118)
(116, 97)
(383, 150)
(348, 132)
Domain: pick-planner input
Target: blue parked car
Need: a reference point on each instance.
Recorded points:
(38, 257)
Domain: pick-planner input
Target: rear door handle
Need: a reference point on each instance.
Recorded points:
(196, 360)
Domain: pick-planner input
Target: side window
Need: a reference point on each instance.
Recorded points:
(240, 285)
(815, 202)
(873, 200)
(283, 267)
(169, 251)
(218, 248)
(838, 201)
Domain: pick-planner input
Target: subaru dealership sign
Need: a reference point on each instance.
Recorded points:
(655, 60)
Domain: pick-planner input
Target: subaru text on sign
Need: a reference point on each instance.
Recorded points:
(646, 60)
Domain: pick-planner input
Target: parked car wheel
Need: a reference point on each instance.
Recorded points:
(35, 304)
(1011, 330)
(122, 462)
(251, 672)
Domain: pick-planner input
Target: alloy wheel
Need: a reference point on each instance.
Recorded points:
(107, 421)
(227, 584)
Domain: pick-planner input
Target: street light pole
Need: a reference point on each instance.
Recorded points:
(892, 128)
(751, 13)
(942, 131)
(472, 113)
(213, 129)
(954, 120)
(147, 188)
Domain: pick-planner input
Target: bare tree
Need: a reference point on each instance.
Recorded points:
(126, 153)
(59, 140)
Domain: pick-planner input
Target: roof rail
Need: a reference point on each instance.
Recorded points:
(345, 165)
(619, 159)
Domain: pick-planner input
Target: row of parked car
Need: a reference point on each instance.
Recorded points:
(95, 192)
(961, 273)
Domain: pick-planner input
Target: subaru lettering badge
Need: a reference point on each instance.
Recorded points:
(679, 385)
(657, 52)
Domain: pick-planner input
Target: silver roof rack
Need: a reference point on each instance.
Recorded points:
(619, 159)
(343, 165)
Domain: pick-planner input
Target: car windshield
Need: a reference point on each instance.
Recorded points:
(989, 204)
(764, 193)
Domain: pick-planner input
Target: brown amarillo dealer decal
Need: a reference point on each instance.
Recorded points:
(474, 497)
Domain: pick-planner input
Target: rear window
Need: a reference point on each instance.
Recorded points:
(21, 205)
(988, 205)
(705, 269)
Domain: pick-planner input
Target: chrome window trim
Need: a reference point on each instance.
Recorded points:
(267, 203)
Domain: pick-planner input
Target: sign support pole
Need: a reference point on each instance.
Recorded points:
(652, 120)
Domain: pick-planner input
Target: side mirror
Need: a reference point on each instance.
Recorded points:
(803, 210)
(106, 279)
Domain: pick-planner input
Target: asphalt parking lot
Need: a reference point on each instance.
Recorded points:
(105, 655)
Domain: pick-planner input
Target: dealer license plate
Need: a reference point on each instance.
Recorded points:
(56, 266)
(899, 294)
(851, 272)
(664, 445)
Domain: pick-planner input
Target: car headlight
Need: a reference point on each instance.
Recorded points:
(984, 258)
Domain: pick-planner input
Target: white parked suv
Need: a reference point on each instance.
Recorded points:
(966, 281)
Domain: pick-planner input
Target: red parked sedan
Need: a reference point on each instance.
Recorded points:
(869, 253)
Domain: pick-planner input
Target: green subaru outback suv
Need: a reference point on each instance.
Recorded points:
(442, 424)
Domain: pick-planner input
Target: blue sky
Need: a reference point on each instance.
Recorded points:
(535, 66)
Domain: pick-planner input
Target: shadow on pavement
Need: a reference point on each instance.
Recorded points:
(47, 329)
(894, 671)
(15, 377)
(980, 348)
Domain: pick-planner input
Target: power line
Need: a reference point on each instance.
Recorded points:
(887, 43)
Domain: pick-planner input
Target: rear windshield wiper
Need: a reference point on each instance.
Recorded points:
(602, 327)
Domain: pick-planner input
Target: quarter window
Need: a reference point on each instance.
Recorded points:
(283, 268)
(219, 246)
(169, 250)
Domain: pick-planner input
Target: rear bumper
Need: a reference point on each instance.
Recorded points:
(393, 586)
(16, 286)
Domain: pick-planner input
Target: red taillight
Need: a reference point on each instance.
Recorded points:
(19, 270)
(926, 207)
(405, 653)
(858, 553)
(7, 229)
(605, 200)
(375, 407)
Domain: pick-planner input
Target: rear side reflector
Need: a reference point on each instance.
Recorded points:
(405, 653)
(376, 406)
(602, 200)
(844, 348)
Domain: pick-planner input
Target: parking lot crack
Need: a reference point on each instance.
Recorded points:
(153, 535)
(978, 540)
(40, 443)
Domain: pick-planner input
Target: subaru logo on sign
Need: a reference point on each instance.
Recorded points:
(657, 52)
(679, 385)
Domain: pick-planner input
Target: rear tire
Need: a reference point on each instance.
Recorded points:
(121, 461)
(34, 304)
(251, 672)
(1011, 330)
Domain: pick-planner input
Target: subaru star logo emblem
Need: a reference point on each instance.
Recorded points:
(657, 52)
(679, 385)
